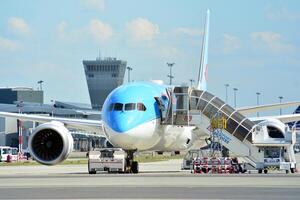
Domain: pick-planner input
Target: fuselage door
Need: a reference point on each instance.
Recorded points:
(162, 108)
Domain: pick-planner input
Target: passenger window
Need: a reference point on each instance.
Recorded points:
(118, 106)
(111, 106)
(130, 106)
(141, 107)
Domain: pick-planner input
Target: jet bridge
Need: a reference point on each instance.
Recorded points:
(192, 107)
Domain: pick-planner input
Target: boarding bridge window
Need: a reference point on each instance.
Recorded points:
(249, 137)
(130, 106)
(196, 93)
(248, 124)
(193, 103)
(231, 125)
(182, 100)
(210, 111)
(141, 107)
(218, 102)
(207, 96)
(202, 104)
(227, 110)
(118, 107)
(241, 133)
(238, 117)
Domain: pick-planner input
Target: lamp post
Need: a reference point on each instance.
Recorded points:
(280, 101)
(234, 93)
(226, 92)
(52, 107)
(192, 81)
(170, 75)
(129, 69)
(257, 101)
(41, 84)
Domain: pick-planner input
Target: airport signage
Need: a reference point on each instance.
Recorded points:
(219, 134)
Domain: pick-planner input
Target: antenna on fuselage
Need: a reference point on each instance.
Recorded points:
(202, 73)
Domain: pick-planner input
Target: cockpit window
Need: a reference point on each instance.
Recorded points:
(111, 106)
(130, 106)
(141, 107)
(118, 106)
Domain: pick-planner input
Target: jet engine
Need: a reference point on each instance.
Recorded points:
(50, 143)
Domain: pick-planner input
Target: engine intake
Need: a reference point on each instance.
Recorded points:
(50, 143)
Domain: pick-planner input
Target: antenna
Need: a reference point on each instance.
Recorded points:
(99, 56)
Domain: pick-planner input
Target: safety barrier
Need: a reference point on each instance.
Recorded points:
(215, 165)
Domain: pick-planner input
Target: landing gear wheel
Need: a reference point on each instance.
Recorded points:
(260, 171)
(292, 170)
(131, 165)
(135, 167)
(265, 171)
(91, 171)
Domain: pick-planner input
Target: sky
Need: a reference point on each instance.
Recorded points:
(253, 45)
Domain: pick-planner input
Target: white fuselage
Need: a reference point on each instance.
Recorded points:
(152, 136)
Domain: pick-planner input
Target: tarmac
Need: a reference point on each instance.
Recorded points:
(158, 180)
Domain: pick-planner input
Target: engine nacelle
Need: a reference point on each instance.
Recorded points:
(50, 143)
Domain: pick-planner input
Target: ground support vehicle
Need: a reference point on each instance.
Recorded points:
(111, 160)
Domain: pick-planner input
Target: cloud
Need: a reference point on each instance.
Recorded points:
(282, 14)
(189, 31)
(8, 45)
(61, 29)
(98, 5)
(18, 26)
(169, 52)
(141, 29)
(100, 31)
(272, 41)
(230, 43)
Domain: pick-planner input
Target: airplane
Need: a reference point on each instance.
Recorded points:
(132, 119)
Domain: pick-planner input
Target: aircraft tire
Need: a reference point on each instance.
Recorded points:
(135, 167)
(292, 170)
(92, 172)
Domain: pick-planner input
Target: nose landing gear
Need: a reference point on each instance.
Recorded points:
(131, 165)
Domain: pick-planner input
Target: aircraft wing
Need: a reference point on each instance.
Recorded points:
(282, 118)
(254, 109)
(81, 124)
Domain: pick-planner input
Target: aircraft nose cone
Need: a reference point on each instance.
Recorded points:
(119, 122)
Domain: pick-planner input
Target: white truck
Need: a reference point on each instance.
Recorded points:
(108, 159)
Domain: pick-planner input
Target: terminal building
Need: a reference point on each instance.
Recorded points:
(102, 76)
(9, 128)
(11, 95)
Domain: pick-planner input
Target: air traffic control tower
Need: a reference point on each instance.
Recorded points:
(102, 76)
